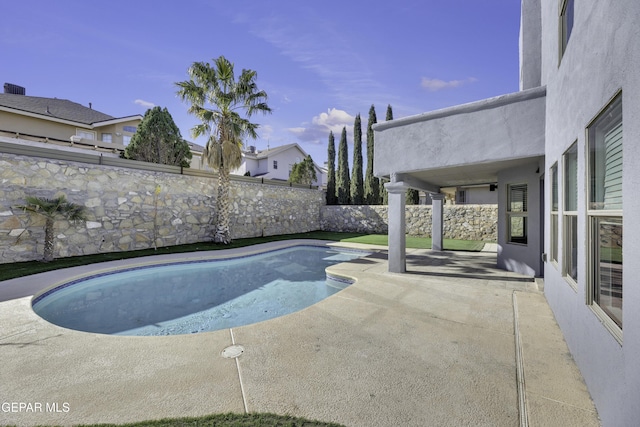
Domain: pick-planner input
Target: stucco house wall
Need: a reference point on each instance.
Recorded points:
(502, 128)
(50, 126)
(602, 58)
(443, 147)
(262, 163)
(521, 258)
(285, 160)
(530, 44)
(477, 195)
(19, 124)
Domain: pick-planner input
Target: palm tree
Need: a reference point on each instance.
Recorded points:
(218, 100)
(52, 209)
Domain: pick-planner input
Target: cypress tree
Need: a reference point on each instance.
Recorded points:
(357, 187)
(412, 197)
(384, 196)
(331, 171)
(371, 183)
(343, 182)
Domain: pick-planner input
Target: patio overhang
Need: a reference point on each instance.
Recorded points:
(463, 145)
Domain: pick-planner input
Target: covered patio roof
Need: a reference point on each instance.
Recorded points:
(462, 145)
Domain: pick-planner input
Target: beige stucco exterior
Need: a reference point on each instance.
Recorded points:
(53, 128)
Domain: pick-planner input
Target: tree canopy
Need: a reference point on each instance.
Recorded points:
(371, 183)
(51, 210)
(303, 172)
(357, 186)
(158, 140)
(384, 195)
(343, 181)
(331, 171)
(412, 197)
(224, 106)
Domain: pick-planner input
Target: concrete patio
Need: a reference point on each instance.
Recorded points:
(452, 342)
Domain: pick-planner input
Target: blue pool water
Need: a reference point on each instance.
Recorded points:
(198, 296)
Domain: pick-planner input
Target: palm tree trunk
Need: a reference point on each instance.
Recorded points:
(223, 234)
(48, 240)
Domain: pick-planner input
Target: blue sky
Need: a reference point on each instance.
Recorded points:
(321, 63)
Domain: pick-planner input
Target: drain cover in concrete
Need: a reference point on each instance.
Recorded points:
(232, 352)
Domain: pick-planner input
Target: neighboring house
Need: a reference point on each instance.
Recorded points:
(567, 171)
(197, 162)
(275, 163)
(68, 125)
(60, 120)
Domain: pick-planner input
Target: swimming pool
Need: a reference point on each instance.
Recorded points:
(195, 296)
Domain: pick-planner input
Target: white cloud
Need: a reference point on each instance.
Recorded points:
(317, 131)
(433, 85)
(297, 131)
(143, 103)
(333, 119)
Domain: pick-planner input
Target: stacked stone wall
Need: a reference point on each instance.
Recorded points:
(464, 222)
(355, 219)
(131, 209)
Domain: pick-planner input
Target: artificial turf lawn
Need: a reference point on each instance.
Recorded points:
(418, 242)
(19, 269)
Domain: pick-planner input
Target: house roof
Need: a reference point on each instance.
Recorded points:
(263, 154)
(195, 147)
(53, 108)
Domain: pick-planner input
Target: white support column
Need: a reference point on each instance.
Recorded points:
(437, 221)
(397, 240)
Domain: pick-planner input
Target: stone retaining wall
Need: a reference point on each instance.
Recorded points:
(134, 209)
(465, 222)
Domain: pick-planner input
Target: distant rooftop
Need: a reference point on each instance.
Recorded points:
(53, 107)
(263, 154)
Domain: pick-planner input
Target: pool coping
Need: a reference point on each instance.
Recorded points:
(434, 346)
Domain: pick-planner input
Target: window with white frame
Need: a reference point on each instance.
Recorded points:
(605, 215)
(554, 213)
(517, 213)
(566, 24)
(107, 137)
(570, 213)
(86, 134)
(126, 139)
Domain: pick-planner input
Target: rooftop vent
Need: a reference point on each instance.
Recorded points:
(14, 89)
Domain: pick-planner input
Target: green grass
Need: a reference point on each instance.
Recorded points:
(20, 269)
(227, 420)
(418, 242)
